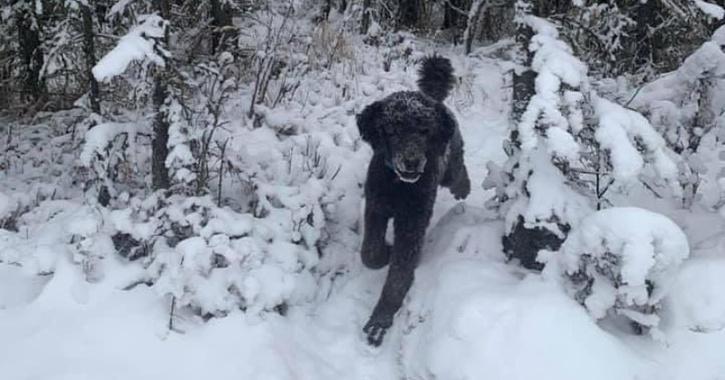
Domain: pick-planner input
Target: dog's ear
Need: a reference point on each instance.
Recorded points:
(446, 122)
(367, 123)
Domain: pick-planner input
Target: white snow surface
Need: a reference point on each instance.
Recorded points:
(710, 9)
(470, 315)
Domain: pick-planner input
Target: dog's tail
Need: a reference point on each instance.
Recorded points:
(435, 77)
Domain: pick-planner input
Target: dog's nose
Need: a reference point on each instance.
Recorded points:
(411, 164)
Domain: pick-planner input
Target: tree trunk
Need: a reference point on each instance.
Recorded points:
(365, 23)
(325, 11)
(159, 148)
(454, 20)
(474, 15)
(408, 13)
(32, 56)
(221, 15)
(90, 56)
(523, 81)
(646, 17)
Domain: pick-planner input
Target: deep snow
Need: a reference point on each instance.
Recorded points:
(469, 315)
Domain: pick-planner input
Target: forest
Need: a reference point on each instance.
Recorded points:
(182, 190)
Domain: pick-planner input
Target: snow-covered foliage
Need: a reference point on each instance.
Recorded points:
(105, 162)
(602, 46)
(261, 221)
(568, 143)
(182, 137)
(140, 44)
(291, 175)
(215, 260)
(622, 260)
(630, 140)
(62, 231)
(544, 132)
(686, 107)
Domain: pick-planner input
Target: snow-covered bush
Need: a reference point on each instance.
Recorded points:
(568, 148)
(687, 107)
(622, 260)
(256, 256)
(214, 259)
(275, 222)
(193, 147)
(105, 155)
(58, 230)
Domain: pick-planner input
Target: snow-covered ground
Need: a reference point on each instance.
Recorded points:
(470, 314)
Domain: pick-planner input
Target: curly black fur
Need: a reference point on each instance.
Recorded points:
(416, 147)
(436, 77)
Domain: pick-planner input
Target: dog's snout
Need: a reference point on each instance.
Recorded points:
(411, 163)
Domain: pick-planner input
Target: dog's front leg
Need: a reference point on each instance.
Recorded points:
(375, 252)
(409, 235)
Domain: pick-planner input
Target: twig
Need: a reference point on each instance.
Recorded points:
(646, 185)
(626, 105)
(221, 173)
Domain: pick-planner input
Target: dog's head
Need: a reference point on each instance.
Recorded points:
(408, 128)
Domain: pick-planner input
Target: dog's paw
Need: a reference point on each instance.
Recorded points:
(375, 330)
(376, 258)
(461, 188)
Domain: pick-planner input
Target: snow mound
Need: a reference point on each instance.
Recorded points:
(696, 300)
(623, 260)
(482, 322)
(7, 206)
(472, 316)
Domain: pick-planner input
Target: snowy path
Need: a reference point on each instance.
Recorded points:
(469, 315)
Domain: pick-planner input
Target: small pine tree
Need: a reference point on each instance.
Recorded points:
(565, 133)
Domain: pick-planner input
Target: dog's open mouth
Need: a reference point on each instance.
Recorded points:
(408, 177)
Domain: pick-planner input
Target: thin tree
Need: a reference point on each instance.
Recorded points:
(221, 21)
(28, 30)
(89, 51)
(159, 148)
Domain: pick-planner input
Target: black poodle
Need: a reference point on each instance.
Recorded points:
(416, 147)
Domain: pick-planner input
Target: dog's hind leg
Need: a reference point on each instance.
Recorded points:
(375, 252)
